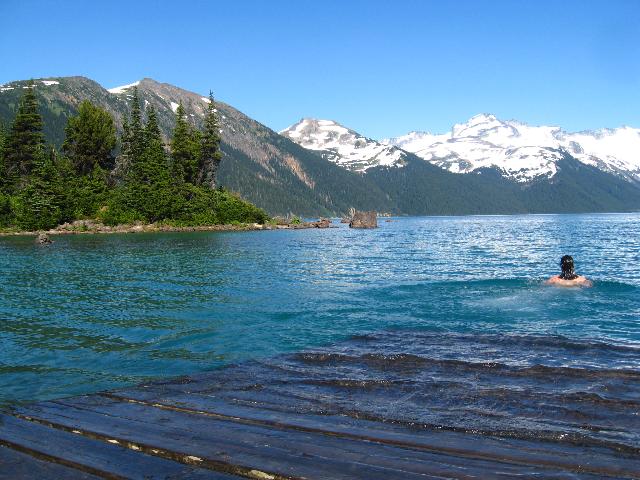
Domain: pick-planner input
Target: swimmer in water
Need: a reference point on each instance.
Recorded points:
(568, 277)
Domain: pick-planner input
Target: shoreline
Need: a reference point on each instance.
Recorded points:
(89, 227)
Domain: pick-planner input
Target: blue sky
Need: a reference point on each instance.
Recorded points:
(382, 68)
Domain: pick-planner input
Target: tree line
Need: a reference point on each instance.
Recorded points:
(147, 182)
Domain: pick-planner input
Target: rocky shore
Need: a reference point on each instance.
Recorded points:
(93, 227)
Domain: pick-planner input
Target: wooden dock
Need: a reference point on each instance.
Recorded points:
(212, 426)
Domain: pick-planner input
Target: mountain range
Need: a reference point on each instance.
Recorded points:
(523, 152)
(518, 151)
(319, 167)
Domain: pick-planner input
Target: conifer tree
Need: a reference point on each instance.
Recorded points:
(90, 138)
(185, 149)
(152, 137)
(136, 110)
(123, 162)
(3, 174)
(133, 140)
(153, 167)
(3, 136)
(136, 128)
(125, 139)
(5, 205)
(210, 155)
(25, 139)
(40, 203)
(149, 188)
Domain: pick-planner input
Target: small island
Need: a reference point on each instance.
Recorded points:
(100, 183)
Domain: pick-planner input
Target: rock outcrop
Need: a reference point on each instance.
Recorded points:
(322, 223)
(364, 220)
(43, 239)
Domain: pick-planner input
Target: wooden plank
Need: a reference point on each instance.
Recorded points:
(282, 451)
(248, 448)
(15, 465)
(90, 456)
(574, 458)
(303, 388)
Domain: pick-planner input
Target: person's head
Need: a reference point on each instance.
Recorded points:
(568, 269)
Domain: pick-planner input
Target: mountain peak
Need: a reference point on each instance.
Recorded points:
(477, 125)
(342, 145)
(310, 122)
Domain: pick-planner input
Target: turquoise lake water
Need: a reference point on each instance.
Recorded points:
(96, 312)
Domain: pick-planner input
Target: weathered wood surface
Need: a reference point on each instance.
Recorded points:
(245, 422)
(15, 464)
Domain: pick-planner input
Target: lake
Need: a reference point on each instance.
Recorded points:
(95, 312)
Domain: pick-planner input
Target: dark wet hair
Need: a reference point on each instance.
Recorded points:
(566, 263)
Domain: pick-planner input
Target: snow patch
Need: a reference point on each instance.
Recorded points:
(174, 106)
(205, 100)
(122, 88)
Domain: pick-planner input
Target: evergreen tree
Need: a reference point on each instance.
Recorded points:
(185, 149)
(152, 167)
(5, 203)
(123, 163)
(195, 138)
(133, 141)
(148, 193)
(90, 138)
(136, 128)
(3, 136)
(136, 116)
(3, 174)
(151, 135)
(40, 202)
(125, 139)
(5, 210)
(210, 155)
(25, 139)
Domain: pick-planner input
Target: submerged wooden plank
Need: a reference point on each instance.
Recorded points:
(16, 465)
(287, 452)
(86, 456)
(292, 420)
(576, 458)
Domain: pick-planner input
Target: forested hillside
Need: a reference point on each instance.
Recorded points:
(41, 188)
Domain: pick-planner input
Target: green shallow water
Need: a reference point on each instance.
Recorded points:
(95, 312)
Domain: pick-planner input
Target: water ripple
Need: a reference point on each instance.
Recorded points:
(94, 312)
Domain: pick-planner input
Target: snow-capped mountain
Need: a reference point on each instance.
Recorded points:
(343, 146)
(523, 152)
